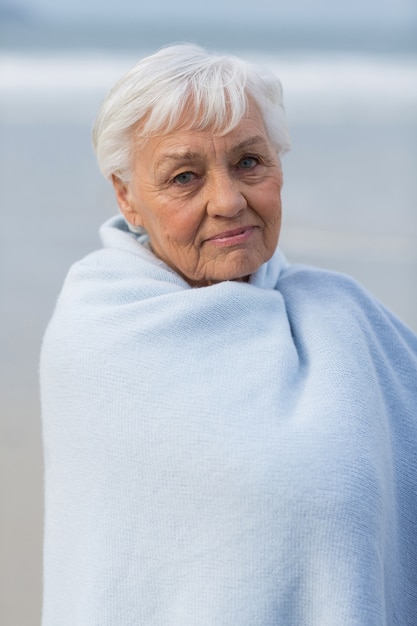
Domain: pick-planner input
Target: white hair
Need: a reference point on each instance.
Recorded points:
(213, 91)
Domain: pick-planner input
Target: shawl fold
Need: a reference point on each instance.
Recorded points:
(242, 454)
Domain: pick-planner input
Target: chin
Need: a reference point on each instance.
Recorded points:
(239, 274)
(237, 266)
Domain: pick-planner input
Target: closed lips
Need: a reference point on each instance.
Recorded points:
(231, 233)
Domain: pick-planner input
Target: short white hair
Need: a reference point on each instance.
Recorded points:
(213, 90)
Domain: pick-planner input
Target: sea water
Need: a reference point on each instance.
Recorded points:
(349, 202)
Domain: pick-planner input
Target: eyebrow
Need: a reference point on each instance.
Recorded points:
(248, 143)
(189, 155)
(177, 157)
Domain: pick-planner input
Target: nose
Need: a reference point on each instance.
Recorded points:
(225, 197)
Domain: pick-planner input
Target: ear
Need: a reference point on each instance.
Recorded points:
(125, 201)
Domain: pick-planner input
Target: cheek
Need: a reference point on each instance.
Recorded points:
(176, 235)
(271, 216)
(270, 205)
(181, 225)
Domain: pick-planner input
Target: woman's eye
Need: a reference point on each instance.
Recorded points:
(184, 178)
(248, 162)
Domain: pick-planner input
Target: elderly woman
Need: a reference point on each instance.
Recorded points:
(229, 439)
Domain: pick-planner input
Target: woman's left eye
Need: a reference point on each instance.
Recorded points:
(248, 162)
(184, 178)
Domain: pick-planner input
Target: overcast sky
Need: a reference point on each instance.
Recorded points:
(321, 10)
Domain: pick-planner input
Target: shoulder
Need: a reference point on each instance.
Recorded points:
(339, 302)
(114, 276)
(324, 288)
(316, 281)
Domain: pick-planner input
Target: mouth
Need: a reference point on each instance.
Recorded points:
(231, 237)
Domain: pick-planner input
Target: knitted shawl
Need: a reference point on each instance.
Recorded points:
(242, 454)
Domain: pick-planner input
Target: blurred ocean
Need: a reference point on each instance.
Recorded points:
(350, 203)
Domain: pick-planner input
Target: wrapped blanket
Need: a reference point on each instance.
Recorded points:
(234, 455)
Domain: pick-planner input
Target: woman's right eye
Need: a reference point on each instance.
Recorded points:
(184, 178)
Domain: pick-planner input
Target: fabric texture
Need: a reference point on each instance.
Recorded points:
(233, 455)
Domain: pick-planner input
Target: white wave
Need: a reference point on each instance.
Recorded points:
(348, 88)
(60, 73)
(325, 89)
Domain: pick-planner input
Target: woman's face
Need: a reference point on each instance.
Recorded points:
(211, 205)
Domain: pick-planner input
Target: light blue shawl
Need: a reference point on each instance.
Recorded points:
(234, 455)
